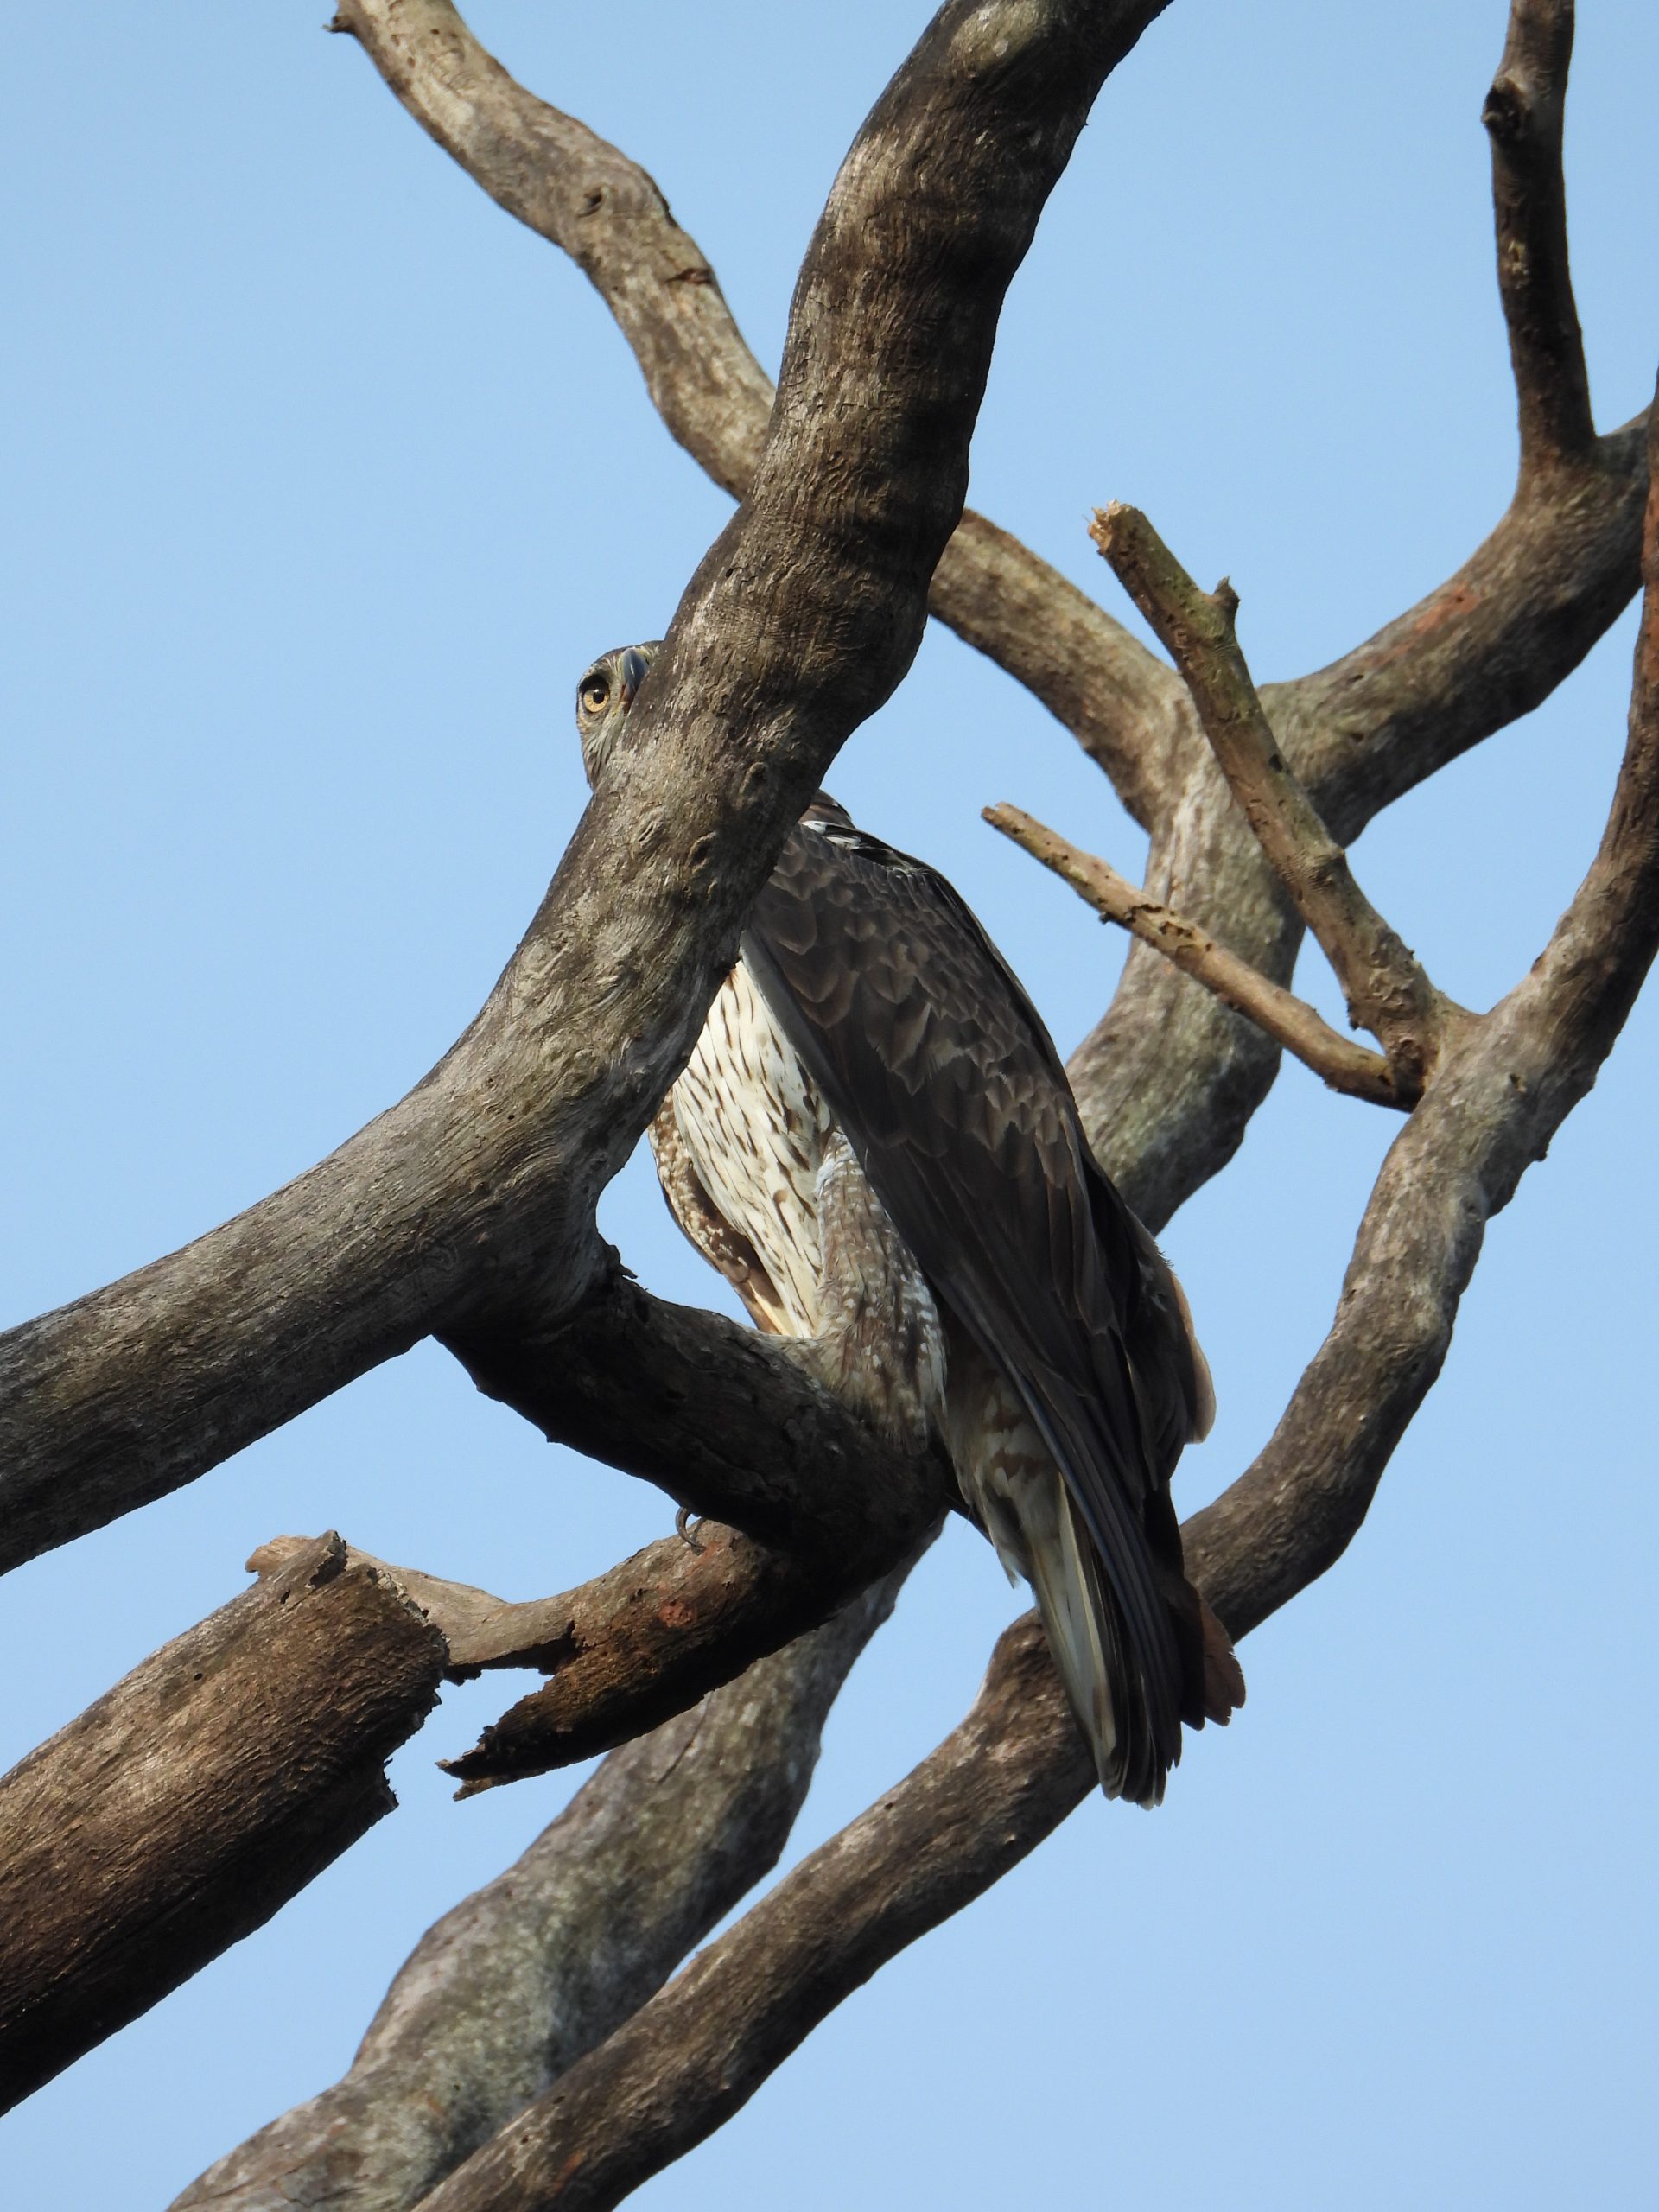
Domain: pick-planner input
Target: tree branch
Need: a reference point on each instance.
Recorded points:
(694, 2053)
(197, 1796)
(1279, 1014)
(1510, 1080)
(644, 1642)
(479, 1632)
(509, 1989)
(730, 1424)
(584, 196)
(1387, 991)
(1168, 1079)
(1582, 989)
(1484, 647)
(1495, 640)
(1524, 117)
(627, 1651)
(799, 622)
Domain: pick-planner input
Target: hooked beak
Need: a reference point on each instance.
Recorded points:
(635, 670)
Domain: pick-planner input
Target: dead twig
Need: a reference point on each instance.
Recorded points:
(1279, 1014)
(1387, 990)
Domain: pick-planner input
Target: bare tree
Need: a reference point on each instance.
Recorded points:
(534, 2051)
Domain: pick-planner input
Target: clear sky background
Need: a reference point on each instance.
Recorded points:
(323, 481)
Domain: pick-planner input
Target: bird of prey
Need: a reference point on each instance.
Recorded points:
(875, 1142)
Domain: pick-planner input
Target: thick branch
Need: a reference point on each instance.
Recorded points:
(201, 1793)
(688, 2059)
(1279, 1014)
(478, 1631)
(626, 1651)
(1168, 1079)
(1585, 981)
(583, 196)
(589, 200)
(1483, 648)
(693, 2056)
(1523, 117)
(509, 1989)
(727, 1421)
(800, 621)
(645, 1641)
(1387, 991)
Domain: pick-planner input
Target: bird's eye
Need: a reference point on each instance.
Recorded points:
(596, 690)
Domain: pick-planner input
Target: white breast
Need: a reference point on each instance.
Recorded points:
(755, 1126)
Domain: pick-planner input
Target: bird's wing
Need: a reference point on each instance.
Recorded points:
(940, 1071)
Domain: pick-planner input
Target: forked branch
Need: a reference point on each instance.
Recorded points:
(1386, 989)
(1167, 1080)
(517, 1983)
(626, 1651)
(643, 1640)
(480, 1186)
(686, 2061)
(1494, 639)
(588, 198)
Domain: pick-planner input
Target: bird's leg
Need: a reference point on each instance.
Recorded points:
(879, 1345)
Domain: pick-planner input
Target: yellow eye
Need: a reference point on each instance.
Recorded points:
(596, 690)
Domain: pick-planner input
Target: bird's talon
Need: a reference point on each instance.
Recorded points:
(685, 1521)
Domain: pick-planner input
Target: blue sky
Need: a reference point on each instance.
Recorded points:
(323, 481)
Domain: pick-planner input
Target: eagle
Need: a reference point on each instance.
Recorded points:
(875, 1142)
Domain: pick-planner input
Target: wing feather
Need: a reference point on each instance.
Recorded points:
(950, 1090)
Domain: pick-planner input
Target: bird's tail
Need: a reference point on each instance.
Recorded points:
(1095, 1653)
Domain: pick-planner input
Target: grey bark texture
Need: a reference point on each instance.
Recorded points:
(533, 2052)
(583, 196)
(508, 1991)
(688, 2059)
(798, 623)
(197, 1796)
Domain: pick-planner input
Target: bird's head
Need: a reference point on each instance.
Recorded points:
(603, 698)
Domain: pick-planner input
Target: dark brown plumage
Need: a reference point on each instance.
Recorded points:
(1071, 1380)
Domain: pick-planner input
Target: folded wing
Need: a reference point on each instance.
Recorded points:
(948, 1088)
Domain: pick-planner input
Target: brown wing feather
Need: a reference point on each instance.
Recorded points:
(950, 1090)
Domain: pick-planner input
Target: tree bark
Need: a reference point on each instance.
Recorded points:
(479, 1188)
(567, 185)
(513, 1988)
(1017, 1766)
(197, 1796)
